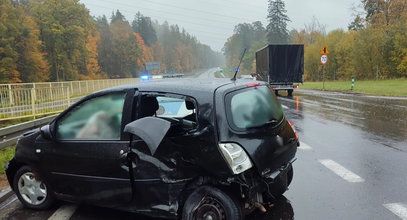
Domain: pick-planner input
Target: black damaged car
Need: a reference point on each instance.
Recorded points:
(185, 148)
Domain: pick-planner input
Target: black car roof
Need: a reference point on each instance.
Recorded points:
(183, 85)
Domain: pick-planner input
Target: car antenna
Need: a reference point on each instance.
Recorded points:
(237, 69)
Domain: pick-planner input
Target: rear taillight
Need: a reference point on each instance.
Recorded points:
(295, 132)
(253, 84)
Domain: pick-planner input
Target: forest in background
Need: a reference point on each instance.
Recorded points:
(373, 47)
(58, 40)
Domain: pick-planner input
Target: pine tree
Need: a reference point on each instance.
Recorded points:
(144, 27)
(277, 32)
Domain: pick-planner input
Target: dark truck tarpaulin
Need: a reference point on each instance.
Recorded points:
(280, 63)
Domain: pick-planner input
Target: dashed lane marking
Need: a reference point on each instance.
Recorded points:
(64, 212)
(398, 209)
(341, 171)
(304, 146)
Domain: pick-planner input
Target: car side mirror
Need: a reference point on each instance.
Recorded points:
(46, 132)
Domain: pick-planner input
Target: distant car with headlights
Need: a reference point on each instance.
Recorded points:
(185, 148)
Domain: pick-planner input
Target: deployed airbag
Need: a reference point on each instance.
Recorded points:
(151, 130)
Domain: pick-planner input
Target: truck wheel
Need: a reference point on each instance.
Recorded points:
(31, 190)
(209, 202)
(290, 92)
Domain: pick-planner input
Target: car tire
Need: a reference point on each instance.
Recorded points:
(31, 190)
(208, 202)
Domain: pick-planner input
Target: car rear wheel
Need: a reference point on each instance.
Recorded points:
(31, 190)
(210, 203)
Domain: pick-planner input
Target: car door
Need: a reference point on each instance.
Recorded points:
(84, 161)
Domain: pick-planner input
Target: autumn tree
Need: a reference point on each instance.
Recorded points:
(21, 58)
(249, 36)
(125, 49)
(64, 26)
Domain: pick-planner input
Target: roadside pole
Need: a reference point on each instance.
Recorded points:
(323, 77)
(324, 60)
(353, 83)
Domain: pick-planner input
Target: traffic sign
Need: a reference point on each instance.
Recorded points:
(324, 50)
(324, 59)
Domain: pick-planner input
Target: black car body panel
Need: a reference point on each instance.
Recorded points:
(155, 176)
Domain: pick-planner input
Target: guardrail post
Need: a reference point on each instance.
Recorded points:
(71, 85)
(87, 86)
(10, 95)
(80, 90)
(50, 91)
(68, 97)
(33, 102)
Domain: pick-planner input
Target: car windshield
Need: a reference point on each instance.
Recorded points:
(253, 107)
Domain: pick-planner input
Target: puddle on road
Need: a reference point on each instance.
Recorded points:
(379, 116)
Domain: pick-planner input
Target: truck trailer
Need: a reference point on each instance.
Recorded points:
(281, 65)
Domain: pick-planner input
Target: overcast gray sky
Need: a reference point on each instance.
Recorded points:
(212, 21)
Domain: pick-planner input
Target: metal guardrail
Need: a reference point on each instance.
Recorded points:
(9, 135)
(22, 100)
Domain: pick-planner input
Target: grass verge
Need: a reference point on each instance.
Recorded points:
(5, 155)
(396, 87)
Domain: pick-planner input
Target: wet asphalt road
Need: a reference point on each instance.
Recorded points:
(351, 165)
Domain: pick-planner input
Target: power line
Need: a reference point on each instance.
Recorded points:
(191, 9)
(166, 12)
(164, 18)
(199, 31)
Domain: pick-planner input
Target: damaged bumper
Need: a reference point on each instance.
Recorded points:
(273, 176)
(256, 189)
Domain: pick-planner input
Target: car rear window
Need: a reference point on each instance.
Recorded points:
(253, 107)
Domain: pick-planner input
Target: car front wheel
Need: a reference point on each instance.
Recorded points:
(31, 190)
(210, 203)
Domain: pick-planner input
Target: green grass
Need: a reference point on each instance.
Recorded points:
(5, 155)
(396, 87)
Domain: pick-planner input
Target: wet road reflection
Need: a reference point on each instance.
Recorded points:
(381, 117)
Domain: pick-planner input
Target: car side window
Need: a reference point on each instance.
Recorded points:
(177, 109)
(95, 119)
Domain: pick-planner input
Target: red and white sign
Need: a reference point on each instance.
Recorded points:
(324, 59)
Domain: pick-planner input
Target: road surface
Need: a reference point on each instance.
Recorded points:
(351, 163)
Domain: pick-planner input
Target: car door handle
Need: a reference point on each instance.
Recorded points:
(124, 157)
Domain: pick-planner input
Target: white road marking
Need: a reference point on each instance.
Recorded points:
(304, 146)
(284, 107)
(64, 212)
(341, 171)
(398, 209)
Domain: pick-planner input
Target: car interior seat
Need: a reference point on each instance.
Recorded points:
(148, 106)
